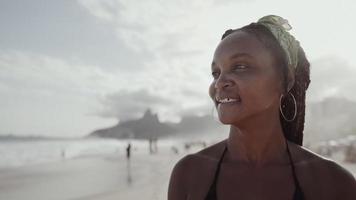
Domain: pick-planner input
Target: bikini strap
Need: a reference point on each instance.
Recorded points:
(298, 194)
(212, 190)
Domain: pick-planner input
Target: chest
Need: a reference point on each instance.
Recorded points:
(243, 183)
(251, 184)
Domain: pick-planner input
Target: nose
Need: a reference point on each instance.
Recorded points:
(222, 82)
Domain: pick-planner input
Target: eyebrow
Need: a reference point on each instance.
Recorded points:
(235, 56)
(240, 55)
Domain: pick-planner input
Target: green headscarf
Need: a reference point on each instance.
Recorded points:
(279, 27)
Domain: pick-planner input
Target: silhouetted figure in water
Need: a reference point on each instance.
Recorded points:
(153, 145)
(128, 151)
(63, 154)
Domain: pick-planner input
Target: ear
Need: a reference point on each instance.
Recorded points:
(290, 80)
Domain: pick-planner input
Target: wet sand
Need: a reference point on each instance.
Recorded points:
(111, 177)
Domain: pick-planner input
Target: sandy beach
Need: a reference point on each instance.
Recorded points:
(88, 178)
(108, 177)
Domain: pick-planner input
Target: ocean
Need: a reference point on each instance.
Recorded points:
(23, 153)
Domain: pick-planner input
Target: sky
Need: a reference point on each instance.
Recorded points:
(70, 67)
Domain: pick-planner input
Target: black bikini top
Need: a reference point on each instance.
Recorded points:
(298, 193)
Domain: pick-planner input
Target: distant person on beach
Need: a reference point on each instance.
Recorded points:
(175, 150)
(260, 75)
(153, 148)
(128, 151)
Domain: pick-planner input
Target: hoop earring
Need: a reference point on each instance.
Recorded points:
(295, 107)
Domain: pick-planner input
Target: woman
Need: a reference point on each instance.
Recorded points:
(260, 75)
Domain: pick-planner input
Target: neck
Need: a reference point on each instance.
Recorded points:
(258, 142)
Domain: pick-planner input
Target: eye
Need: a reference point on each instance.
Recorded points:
(240, 67)
(215, 74)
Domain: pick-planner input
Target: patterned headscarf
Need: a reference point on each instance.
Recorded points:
(279, 27)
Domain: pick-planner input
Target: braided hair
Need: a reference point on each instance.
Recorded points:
(292, 130)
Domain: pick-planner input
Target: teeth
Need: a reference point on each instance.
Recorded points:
(226, 100)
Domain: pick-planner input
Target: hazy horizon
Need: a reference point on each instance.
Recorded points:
(70, 67)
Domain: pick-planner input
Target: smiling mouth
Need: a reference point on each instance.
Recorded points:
(226, 100)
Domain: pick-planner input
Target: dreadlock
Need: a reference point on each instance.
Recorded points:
(293, 130)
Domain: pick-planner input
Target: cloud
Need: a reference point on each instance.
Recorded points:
(34, 73)
(64, 30)
(178, 45)
(116, 58)
(169, 26)
(131, 104)
(125, 104)
(43, 95)
(174, 47)
(167, 91)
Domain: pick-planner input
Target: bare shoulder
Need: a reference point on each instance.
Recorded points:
(325, 174)
(305, 158)
(200, 159)
(192, 170)
(208, 154)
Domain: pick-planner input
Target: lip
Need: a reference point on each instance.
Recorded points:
(227, 103)
(218, 100)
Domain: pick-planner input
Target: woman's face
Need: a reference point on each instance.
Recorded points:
(246, 81)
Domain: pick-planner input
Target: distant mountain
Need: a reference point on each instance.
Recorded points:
(144, 128)
(149, 126)
(328, 119)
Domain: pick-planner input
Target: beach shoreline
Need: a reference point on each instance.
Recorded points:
(100, 177)
(84, 178)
